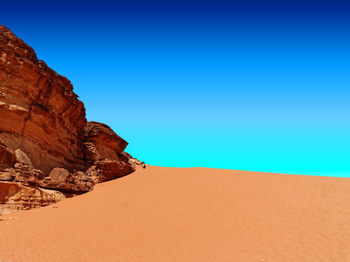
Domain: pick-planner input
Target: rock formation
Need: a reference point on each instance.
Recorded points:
(15, 197)
(45, 139)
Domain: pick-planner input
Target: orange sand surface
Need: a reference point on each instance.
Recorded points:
(189, 214)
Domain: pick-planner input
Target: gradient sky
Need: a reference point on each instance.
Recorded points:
(248, 85)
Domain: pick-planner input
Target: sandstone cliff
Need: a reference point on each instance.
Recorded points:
(45, 139)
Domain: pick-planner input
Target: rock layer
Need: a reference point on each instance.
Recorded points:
(39, 112)
(45, 139)
(15, 196)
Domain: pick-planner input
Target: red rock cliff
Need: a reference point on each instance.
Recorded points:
(45, 140)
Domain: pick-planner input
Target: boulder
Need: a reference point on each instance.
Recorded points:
(6, 176)
(108, 143)
(63, 180)
(22, 158)
(26, 175)
(111, 169)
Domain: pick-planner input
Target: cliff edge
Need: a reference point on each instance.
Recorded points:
(48, 150)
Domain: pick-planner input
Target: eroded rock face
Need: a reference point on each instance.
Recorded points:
(111, 169)
(15, 196)
(107, 143)
(63, 180)
(39, 112)
(45, 140)
(7, 156)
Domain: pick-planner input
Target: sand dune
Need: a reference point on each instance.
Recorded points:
(194, 214)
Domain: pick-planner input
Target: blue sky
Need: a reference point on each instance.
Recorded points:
(249, 85)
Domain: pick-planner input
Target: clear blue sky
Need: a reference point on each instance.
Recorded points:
(249, 85)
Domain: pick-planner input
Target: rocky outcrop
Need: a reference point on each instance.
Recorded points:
(111, 169)
(63, 180)
(108, 143)
(39, 112)
(45, 139)
(15, 196)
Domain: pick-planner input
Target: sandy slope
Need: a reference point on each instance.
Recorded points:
(196, 214)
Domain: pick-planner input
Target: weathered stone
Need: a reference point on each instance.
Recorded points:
(28, 176)
(104, 138)
(7, 157)
(111, 169)
(9, 173)
(16, 196)
(39, 112)
(5, 176)
(22, 158)
(127, 158)
(45, 140)
(63, 180)
(91, 153)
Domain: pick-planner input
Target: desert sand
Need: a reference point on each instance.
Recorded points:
(189, 214)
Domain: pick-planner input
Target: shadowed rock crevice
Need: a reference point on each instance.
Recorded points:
(46, 142)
